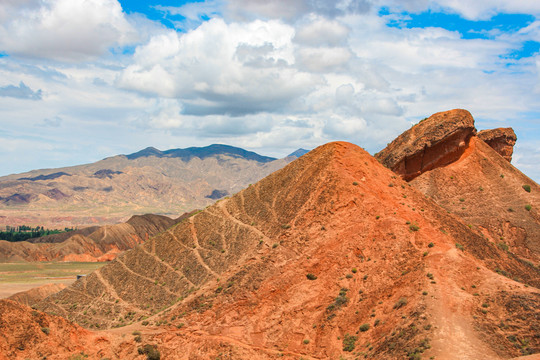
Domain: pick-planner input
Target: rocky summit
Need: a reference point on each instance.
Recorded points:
(502, 140)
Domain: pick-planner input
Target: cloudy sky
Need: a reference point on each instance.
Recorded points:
(81, 80)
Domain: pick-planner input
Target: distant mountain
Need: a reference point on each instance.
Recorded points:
(201, 153)
(298, 153)
(109, 191)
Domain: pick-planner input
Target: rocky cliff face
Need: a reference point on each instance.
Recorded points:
(502, 140)
(436, 141)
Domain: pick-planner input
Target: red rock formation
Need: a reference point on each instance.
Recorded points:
(330, 257)
(435, 141)
(502, 140)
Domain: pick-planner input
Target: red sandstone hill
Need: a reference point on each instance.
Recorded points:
(334, 256)
(477, 182)
(90, 244)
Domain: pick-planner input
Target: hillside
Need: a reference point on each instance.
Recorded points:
(332, 256)
(477, 182)
(109, 191)
(91, 244)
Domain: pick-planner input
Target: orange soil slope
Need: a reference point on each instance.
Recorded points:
(31, 334)
(396, 275)
(487, 192)
(37, 294)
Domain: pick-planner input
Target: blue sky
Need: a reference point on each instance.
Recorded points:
(83, 80)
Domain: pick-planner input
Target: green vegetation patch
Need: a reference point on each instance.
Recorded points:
(349, 342)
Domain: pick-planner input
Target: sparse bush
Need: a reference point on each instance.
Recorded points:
(459, 246)
(349, 342)
(45, 330)
(400, 303)
(527, 188)
(414, 227)
(528, 207)
(430, 276)
(502, 246)
(364, 327)
(138, 338)
(274, 246)
(311, 276)
(151, 352)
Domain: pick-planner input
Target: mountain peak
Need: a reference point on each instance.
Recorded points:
(202, 153)
(298, 153)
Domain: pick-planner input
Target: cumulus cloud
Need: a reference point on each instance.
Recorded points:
(21, 92)
(221, 68)
(66, 30)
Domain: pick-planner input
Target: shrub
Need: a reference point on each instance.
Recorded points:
(364, 327)
(274, 246)
(306, 341)
(414, 227)
(459, 246)
(354, 270)
(285, 226)
(349, 342)
(311, 276)
(151, 352)
(430, 245)
(355, 183)
(527, 188)
(528, 207)
(400, 303)
(502, 246)
(45, 330)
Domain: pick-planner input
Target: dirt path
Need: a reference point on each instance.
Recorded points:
(454, 336)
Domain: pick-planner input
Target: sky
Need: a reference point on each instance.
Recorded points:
(81, 80)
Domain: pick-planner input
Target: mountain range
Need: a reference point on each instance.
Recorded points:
(109, 191)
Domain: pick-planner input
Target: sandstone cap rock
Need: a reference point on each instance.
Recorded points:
(435, 141)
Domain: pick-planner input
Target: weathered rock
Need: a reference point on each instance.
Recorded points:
(502, 140)
(436, 141)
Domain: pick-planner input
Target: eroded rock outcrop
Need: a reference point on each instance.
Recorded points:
(502, 140)
(436, 141)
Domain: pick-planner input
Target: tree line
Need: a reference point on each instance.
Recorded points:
(24, 232)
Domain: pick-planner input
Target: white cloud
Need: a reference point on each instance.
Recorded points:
(66, 30)
(222, 68)
(293, 9)
(322, 32)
